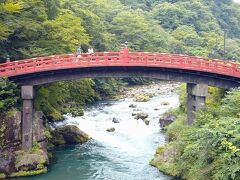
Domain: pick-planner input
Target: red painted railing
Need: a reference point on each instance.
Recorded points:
(122, 58)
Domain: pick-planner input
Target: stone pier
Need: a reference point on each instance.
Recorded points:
(196, 98)
(27, 117)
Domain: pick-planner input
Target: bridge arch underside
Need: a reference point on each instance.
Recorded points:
(187, 76)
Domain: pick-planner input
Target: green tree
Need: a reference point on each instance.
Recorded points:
(8, 8)
(8, 95)
(169, 15)
(65, 33)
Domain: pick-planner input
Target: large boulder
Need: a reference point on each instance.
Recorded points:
(69, 134)
(164, 157)
(167, 120)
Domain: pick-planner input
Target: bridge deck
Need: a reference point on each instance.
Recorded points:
(123, 58)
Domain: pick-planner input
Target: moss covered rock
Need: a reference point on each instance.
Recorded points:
(77, 112)
(141, 98)
(141, 115)
(163, 159)
(2, 176)
(31, 161)
(69, 134)
(28, 173)
(166, 120)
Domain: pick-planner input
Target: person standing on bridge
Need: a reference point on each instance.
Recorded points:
(79, 51)
(126, 44)
(7, 58)
(90, 50)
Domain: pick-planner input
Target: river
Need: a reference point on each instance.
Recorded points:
(120, 155)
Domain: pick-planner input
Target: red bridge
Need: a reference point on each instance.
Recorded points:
(25, 70)
(197, 72)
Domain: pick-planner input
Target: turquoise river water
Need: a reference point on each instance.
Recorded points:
(120, 155)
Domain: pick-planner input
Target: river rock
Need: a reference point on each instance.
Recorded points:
(146, 121)
(137, 110)
(165, 103)
(141, 98)
(110, 129)
(77, 112)
(151, 95)
(141, 115)
(115, 120)
(69, 134)
(134, 113)
(132, 105)
(167, 120)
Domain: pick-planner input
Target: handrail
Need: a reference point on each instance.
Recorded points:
(122, 58)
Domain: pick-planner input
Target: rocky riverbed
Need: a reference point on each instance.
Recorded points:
(152, 89)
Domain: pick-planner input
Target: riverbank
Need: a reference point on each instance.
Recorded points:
(210, 148)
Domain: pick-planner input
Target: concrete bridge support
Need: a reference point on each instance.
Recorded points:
(196, 98)
(27, 117)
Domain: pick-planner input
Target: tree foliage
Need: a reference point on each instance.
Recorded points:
(36, 28)
(8, 95)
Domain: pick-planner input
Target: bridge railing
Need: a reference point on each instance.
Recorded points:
(122, 58)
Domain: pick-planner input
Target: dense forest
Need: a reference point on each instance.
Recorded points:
(45, 27)
(196, 27)
(30, 28)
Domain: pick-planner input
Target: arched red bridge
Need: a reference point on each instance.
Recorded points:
(197, 72)
(176, 67)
